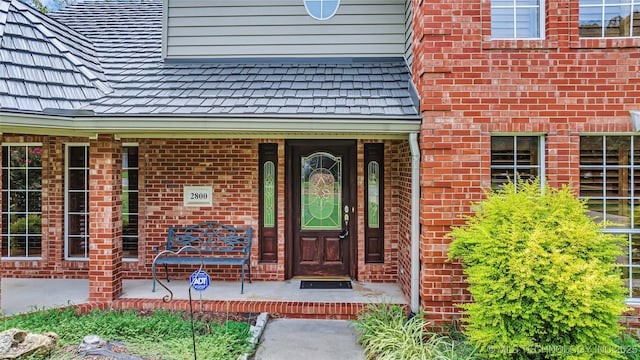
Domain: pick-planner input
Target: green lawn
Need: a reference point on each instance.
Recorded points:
(153, 334)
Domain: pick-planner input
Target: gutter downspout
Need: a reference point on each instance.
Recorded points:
(415, 222)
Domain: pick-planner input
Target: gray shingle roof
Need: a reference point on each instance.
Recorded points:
(44, 64)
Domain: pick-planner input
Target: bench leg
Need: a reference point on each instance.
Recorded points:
(242, 281)
(153, 272)
(249, 265)
(166, 271)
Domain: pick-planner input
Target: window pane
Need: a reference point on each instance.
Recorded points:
(77, 202)
(617, 182)
(17, 156)
(527, 23)
(130, 226)
(502, 150)
(131, 153)
(35, 156)
(77, 156)
(130, 247)
(77, 224)
(373, 191)
(18, 246)
(619, 212)
(328, 7)
(618, 150)
(132, 179)
(527, 150)
(502, 23)
(35, 179)
(591, 182)
(636, 21)
(500, 177)
(18, 179)
(34, 244)
(17, 201)
(35, 201)
(590, 21)
(269, 194)
(591, 150)
(502, 3)
(527, 174)
(596, 209)
(321, 192)
(618, 20)
(77, 179)
(77, 246)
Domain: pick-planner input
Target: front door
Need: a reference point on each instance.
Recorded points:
(322, 197)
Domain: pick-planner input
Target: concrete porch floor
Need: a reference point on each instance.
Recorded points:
(286, 297)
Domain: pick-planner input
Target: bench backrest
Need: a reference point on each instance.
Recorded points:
(210, 237)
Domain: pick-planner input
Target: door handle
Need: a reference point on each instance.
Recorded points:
(345, 232)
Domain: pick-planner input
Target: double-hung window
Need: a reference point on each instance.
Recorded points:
(609, 18)
(516, 158)
(610, 181)
(517, 19)
(21, 201)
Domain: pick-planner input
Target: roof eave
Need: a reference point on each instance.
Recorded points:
(179, 126)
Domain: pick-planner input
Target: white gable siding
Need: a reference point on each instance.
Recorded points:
(408, 54)
(282, 28)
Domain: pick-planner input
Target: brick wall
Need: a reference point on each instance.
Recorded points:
(165, 167)
(471, 87)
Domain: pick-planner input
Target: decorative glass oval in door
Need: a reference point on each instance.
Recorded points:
(321, 192)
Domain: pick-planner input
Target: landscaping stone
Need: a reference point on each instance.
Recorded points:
(15, 343)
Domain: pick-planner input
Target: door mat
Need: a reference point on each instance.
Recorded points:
(312, 284)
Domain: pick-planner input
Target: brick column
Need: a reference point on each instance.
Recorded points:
(105, 220)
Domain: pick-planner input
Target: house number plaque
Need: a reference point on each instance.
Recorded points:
(198, 196)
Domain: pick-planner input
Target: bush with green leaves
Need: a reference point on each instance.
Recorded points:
(542, 276)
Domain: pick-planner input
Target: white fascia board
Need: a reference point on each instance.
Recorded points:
(178, 126)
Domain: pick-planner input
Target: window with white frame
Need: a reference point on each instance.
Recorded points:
(516, 158)
(609, 177)
(77, 202)
(22, 201)
(130, 202)
(609, 18)
(517, 19)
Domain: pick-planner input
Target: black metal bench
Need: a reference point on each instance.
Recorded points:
(207, 243)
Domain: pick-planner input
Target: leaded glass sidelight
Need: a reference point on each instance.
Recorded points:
(269, 183)
(373, 199)
(321, 192)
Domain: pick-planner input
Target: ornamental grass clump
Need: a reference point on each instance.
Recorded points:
(542, 276)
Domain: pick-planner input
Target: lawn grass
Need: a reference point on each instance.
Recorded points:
(156, 334)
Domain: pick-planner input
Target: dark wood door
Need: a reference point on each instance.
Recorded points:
(322, 198)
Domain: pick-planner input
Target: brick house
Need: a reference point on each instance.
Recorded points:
(383, 119)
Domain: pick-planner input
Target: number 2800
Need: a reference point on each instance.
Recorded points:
(198, 196)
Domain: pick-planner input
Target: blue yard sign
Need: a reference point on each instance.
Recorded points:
(199, 280)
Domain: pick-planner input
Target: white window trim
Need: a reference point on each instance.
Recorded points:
(27, 258)
(66, 202)
(541, 21)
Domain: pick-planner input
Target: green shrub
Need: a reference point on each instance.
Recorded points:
(542, 276)
(387, 334)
